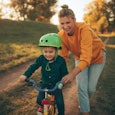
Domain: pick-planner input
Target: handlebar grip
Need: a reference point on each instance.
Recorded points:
(60, 85)
(29, 82)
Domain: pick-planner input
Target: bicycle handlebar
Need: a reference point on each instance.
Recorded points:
(58, 85)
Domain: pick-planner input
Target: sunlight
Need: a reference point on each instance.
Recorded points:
(5, 8)
(77, 6)
(5, 1)
(6, 11)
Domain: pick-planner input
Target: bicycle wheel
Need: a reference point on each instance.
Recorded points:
(56, 110)
(53, 110)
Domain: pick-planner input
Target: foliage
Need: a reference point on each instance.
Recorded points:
(100, 15)
(0, 12)
(40, 10)
(110, 14)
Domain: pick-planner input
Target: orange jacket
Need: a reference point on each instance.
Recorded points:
(85, 45)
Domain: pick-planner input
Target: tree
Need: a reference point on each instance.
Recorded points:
(0, 13)
(99, 15)
(40, 10)
(110, 14)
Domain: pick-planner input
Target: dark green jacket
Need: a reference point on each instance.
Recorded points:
(58, 69)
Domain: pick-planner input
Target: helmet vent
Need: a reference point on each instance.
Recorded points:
(46, 40)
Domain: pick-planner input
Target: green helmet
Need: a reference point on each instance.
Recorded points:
(50, 39)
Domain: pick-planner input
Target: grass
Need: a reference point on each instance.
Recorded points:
(19, 41)
(19, 101)
(105, 95)
(23, 32)
(18, 44)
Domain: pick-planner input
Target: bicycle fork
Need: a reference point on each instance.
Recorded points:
(46, 103)
(49, 104)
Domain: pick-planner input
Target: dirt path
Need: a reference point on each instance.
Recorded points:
(71, 100)
(10, 78)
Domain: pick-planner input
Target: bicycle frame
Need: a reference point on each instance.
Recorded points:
(47, 104)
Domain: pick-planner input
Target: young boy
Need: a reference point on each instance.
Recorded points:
(53, 69)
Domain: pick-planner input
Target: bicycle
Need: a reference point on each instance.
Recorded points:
(49, 105)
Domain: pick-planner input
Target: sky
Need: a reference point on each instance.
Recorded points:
(76, 5)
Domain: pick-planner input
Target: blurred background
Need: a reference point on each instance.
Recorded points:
(22, 23)
(99, 14)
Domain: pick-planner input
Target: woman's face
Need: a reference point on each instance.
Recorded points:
(49, 52)
(67, 24)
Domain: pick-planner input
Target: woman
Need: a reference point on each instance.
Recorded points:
(89, 53)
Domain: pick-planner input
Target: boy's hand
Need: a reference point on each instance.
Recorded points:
(22, 78)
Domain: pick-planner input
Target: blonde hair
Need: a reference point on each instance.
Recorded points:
(65, 11)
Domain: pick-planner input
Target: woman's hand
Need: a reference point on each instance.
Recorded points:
(67, 79)
(71, 76)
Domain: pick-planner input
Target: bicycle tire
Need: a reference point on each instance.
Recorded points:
(53, 110)
(56, 110)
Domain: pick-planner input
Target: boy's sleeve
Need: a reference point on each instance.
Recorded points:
(64, 70)
(31, 69)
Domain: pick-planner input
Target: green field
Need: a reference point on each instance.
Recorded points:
(105, 95)
(19, 41)
(18, 44)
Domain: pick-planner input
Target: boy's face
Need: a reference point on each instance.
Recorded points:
(49, 52)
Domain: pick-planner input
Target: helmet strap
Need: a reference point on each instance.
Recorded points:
(48, 67)
(56, 54)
